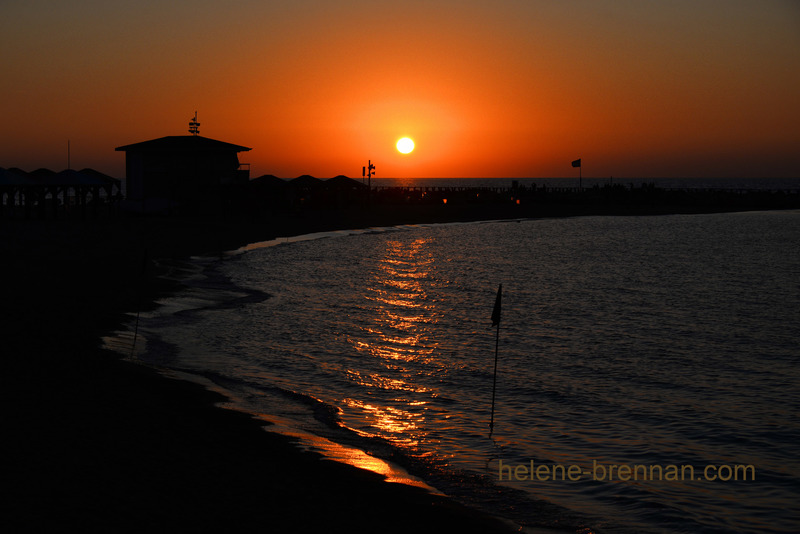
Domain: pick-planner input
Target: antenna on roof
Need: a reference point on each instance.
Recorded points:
(194, 126)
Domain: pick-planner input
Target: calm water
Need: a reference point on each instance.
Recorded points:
(653, 341)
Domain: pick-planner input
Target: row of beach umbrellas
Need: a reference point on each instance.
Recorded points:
(66, 178)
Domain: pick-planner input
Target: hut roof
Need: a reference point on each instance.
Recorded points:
(305, 181)
(71, 177)
(100, 176)
(181, 143)
(13, 177)
(41, 176)
(343, 182)
(269, 178)
(269, 181)
(45, 177)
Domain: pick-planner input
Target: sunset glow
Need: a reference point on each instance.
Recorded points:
(507, 89)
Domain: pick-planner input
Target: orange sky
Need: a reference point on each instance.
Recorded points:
(510, 88)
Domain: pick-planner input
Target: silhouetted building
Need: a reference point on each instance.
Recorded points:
(181, 168)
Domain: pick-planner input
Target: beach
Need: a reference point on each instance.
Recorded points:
(98, 443)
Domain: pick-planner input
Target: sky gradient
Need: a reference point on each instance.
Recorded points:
(510, 88)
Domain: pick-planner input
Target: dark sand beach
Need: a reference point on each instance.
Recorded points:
(101, 444)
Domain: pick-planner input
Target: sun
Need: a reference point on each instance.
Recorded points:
(405, 145)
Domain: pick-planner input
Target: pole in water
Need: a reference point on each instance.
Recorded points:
(495, 322)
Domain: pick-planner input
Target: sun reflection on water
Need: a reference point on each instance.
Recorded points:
(394, 423)
(397, 334)
(382, 382)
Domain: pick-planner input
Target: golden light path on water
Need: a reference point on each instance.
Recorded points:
(397, 335)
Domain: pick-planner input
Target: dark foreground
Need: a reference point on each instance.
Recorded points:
(98, 444)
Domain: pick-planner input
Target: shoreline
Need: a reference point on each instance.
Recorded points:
(100, 443)
(212, 289)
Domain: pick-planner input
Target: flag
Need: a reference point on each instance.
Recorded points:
(576, 163)
(496, 311)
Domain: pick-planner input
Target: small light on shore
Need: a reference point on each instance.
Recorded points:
(444, 200)
(517, 201)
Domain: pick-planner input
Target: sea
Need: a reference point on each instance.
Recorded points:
(741, 183)
(643, 376)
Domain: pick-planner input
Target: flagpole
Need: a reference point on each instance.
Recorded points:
(577, 163)
(496, 312)
(494, 381)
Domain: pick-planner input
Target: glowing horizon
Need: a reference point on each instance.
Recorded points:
(685, 89)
